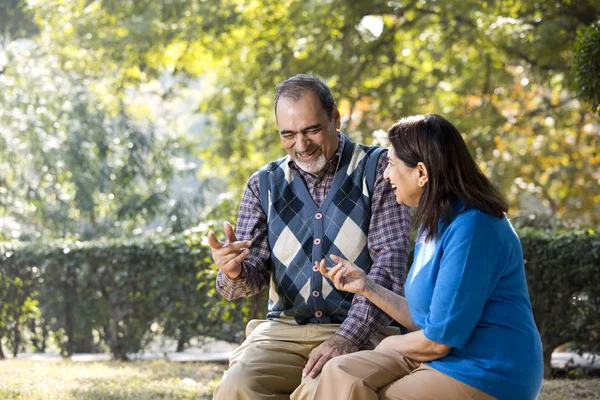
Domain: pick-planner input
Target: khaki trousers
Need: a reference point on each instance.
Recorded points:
(386, 374)
(268, 365)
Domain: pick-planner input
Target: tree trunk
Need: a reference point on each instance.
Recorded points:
(39, 342)
(182, 341)
(70, 298)
(116, 346)
(548, 362)
(17, 340)
(181, 344)
(2, 356)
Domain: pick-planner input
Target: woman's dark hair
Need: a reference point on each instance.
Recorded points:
(297, 85)
(452, 172)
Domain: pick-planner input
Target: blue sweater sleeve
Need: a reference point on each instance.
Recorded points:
(469, 270)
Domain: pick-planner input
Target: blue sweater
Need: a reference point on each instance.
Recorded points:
(467, 289)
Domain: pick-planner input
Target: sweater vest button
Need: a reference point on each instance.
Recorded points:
(318, 216)
(315, 268)
(315, 293)
(318, 314)
(317, 241)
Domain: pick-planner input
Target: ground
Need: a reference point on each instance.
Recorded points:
(35, 380)
(147, 380)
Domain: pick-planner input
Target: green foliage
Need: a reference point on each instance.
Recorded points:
(503, 71)
(129, 290)
(73, 163)
(500, 70)
(586, 65)
(563, 274)
(121, 293)
(16, 20)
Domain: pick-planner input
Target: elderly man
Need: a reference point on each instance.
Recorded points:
(327, 196)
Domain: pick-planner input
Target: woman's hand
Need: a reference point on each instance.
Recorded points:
(345, 275)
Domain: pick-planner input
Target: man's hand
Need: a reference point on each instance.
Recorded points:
(229, 255)
(332, 347)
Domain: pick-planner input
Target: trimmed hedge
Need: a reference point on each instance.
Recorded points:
(120, 294)
(563, 275)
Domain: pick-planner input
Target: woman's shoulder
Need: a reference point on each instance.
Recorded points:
(471, 221)
(472, 215)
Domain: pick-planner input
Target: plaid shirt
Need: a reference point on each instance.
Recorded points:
(388, 242)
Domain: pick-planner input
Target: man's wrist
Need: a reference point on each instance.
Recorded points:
(236, 277)
(348, 335)
(345, 341)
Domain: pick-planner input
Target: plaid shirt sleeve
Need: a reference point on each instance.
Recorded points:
(388, 241)
(251, 225)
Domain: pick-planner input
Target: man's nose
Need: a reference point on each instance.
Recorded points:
(302, 142)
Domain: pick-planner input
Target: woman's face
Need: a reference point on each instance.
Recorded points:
(408, 183)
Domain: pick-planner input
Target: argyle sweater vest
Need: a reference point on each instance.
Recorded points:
(300, 233)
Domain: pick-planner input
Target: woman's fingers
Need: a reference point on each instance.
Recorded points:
(332, 272)
(336, 274)
(322, 267)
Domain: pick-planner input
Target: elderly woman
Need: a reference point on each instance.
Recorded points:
(467, 304)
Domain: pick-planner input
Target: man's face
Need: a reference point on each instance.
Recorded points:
(307, 134)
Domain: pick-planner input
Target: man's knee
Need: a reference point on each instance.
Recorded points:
(236, 383)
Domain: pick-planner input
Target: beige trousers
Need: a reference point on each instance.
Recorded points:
(268, 365)
(386, 374)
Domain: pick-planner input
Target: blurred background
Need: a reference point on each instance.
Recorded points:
(119, 117)
(129, 125)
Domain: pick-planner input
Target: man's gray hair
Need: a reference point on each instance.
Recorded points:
(297, 85)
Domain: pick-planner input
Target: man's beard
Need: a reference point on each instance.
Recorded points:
(313, 166)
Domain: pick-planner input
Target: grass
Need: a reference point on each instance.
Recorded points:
(137, 380)
(31, 380)
(567, 389)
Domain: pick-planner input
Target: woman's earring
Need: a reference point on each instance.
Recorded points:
(421, 182)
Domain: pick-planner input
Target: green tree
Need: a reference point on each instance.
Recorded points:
(587, 65)
(72, 165)
(500, 70)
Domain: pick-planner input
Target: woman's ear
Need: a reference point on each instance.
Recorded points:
(423, 175)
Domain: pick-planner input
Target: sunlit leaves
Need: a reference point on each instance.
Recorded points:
(69, 166)
(496, 69)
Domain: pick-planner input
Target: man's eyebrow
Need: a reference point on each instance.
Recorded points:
(308, 128)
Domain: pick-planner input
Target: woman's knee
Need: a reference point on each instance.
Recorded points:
(337, 363)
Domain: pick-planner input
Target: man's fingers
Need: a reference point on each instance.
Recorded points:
(316, 370)
(231, 259)
(311, 362)
(239, 258)
(213, 242)
(231, 267)
(241, 245)
(232, 248)
(229, 232)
